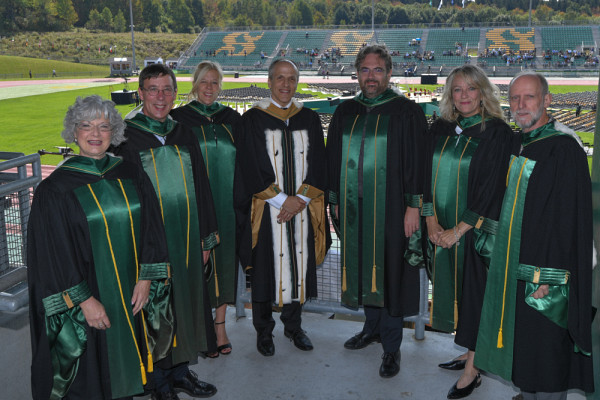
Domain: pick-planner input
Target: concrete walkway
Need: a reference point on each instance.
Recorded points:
(329, 372)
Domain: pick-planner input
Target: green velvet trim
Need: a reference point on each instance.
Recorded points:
(210, 241)
(387, 95)
(150, 125)
(467, 122)
(488, 225)
(57, 303)
(427, 210)
(413, 200)
(547, 276)
(203, 109)
(151, 272)
(554, 305)
(90, 165)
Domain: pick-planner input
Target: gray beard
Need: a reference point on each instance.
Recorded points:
(534, 119)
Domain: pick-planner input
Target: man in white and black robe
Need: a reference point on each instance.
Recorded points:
(283, 238)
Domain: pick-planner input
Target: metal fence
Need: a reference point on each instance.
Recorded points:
(329, 291)
(16, 190)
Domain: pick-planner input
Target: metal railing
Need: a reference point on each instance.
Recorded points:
(16, 191)
(330, 289)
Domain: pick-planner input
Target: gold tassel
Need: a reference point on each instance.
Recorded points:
(280, 295)
(216, 284)
(455, 314)
(143, 370)
(150, 363)
(500, 340)
(302, 292)
(344, 287)
(373, 281)
(175, 341)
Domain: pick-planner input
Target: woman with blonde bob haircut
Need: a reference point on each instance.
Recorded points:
(469, 149)
(475, 76)
(217, 128)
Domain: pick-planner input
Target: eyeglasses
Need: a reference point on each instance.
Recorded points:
(88, 127)
(154, 91)
(376, 71)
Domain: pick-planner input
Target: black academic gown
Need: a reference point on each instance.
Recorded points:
(219, 153)
(485, 191)
(258, 175)
(405, 134)
(556, 233)
(59, 254)
(199, 332)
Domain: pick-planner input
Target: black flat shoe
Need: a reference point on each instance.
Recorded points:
(265, 345)
(361, 340)
(456, 393)
(454, 365)
(300, 339)
(390, 366)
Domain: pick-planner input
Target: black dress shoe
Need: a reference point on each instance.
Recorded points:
(390, 366)
(300, 339)
(264, 344)
(456, 393)
(164, 396)
(361, 340)
(453, 365)
(193, 386)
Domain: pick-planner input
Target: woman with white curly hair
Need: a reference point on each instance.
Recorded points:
(98, 273)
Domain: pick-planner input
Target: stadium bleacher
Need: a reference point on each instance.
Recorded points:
(506, 49)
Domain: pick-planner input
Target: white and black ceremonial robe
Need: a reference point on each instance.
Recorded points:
(544, 237)
(178, 174)
(94, 230)
(375, 160)
(283, 151)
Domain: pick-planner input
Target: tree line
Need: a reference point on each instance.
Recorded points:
(190, 16)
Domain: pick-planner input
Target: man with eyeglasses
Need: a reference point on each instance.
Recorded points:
(284, 179)
(374, 152)
(170, 155)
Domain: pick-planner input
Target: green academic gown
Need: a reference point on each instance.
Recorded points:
(217, 128)
(544, 237)
(375, 157)
(95, 230)
(177, 171)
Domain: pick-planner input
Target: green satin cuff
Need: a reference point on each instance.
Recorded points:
(427, 210)
(413, 200)
(480, 222)
(67, 339)
(151, 272)
(160, 320)
(210, 241)
(555, 305)
(333, 197)
(67, 299)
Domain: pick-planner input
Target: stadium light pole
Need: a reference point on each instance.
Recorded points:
(132, 37)
(373, 15)
(529, 13)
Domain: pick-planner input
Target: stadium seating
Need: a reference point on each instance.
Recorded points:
(454, 43)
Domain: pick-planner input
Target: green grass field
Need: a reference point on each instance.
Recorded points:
(42, 69)
(34, 122)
